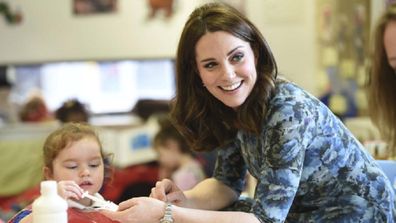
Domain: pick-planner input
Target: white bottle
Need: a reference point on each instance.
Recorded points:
(49, 207)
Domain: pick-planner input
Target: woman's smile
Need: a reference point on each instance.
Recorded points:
(231, 87)
(227, 67)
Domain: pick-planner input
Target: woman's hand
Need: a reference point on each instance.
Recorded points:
(141, 209)
(167, 191)
(69, 189)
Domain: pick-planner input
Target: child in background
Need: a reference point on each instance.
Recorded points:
(35, 110)
(176, 159)
(72, 111)
(73, 157)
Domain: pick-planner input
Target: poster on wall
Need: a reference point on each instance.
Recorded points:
(88, 7)
(343, 34)
(166, 7)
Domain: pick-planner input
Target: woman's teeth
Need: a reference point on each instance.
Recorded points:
(231, 87)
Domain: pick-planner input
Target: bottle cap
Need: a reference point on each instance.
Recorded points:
(48, 187)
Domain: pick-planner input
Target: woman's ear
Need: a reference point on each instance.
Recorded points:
(48, 175)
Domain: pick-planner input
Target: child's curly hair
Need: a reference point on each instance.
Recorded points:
(68, 133)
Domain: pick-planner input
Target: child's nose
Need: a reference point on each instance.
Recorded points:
(85, 172)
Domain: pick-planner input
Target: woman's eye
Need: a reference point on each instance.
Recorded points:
(237, 57)
(93, 165)
(71, 167)
(210, 65)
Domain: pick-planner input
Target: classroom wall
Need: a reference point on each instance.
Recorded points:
(289, 27)
(50, 32)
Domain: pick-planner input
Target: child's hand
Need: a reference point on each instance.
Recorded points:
(69, 189)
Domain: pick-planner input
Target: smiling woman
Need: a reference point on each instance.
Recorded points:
(308, 166)
(226, 65)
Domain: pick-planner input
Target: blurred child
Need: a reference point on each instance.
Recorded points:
(72, 111)
(34, 110)
(73, 157)
(176, 159)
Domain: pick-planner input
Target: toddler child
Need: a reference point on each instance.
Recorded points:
(176, 159)
(73, 157)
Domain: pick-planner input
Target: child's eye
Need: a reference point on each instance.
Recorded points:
(237, 57)
(70, 165)
(95, 163)
(210, 65)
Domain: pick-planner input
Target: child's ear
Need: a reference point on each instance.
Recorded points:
(47, 173)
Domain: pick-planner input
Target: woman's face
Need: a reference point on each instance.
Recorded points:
(390, 43)
(227, 67)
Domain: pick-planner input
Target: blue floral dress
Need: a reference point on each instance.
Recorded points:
(308, 166)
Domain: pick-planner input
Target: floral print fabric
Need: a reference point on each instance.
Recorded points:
(309, 167)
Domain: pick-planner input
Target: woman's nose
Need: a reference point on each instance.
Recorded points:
(228, 71)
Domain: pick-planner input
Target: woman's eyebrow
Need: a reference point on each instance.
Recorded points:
(228, 54)
(233, 50)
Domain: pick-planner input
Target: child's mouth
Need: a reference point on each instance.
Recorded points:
(85, 184)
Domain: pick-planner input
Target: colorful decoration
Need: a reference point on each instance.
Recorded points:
(11, 17)
(88, 7)
(343, 33)
(161, 5)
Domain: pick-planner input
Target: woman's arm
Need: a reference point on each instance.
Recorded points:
(149, 210)
(210, 194)
(198, 216)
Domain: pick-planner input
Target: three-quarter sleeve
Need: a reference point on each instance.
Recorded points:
(287, 134)
(230, 167)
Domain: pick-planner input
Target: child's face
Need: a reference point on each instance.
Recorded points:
(169, 154)
(227, 67)
(82, 162)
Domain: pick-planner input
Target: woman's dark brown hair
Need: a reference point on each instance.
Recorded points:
(203, 120)
(382, 82)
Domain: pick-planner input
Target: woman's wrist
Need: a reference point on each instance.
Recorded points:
(168, 214)
(189, 202)
(176, 214)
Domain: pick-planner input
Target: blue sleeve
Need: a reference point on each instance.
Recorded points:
(289, 130)
(18, 217)
(230, 167)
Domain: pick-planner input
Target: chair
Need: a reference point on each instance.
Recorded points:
(389, 168)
